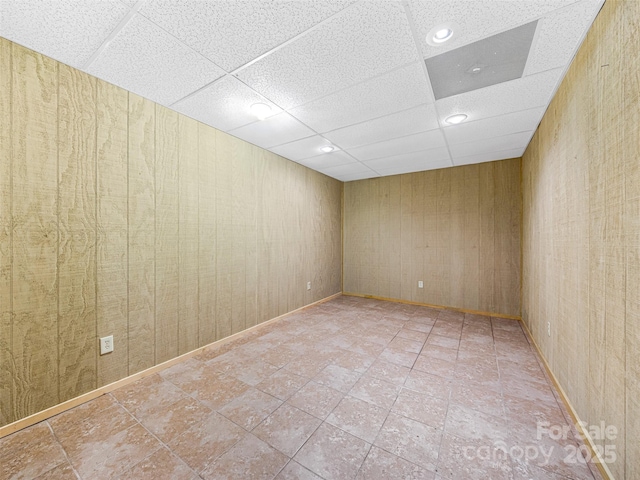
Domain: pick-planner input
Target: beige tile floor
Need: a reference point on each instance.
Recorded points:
(352, 388)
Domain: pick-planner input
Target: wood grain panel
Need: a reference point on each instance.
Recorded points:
(7, 413)
(630, 15)
(142, 225)
(223, 235)
(167, 211)
(208, 245)
(77, 232)
(134, 223)
(189, 237)
(581, 232)
(35, 230)
(441, 227)
(112, 229)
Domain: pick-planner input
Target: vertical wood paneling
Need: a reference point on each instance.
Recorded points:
(77, 231)
(631, 134)
(223, 235)
(34, 137)
(166, 185)
(120, 217)
(7, 413)
(112, 229)
(188, 263)
(142, 229)
(471, 256)
(208, 245)
(441, 227)
(580, 251)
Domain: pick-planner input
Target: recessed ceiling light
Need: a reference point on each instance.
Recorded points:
(261, 110)
(327, 149)
(455, 119)
(440, 34)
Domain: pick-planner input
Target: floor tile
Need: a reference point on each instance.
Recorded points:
(30, 452)
(204, 443)
(414, 441)
(338, 378)
(421, 407)
(255, 372)
(287, 429)
(398, 357)
(250, 458)
(318, 400)
(282, 384)
(250, 408)
(482, 399)
(389, 372)
(435, 366)
(174, 419)
(432, 385)
(355, 361)
(148, 395)
(380, 464)
(414, 335)
(107, 456)
(217, 392)
(475, 425)
(333, 453)
(464, 458)
(375, 391)
(295, 471)
(358, 418)
(162, 465)
(442, 341)
(437, 351)
(63, 471)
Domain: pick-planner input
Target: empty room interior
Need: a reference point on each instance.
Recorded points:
(320, 239)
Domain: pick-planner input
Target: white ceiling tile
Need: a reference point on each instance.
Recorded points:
(414, 120)
(489, 156)
(494, 126)
(368, 39)
(356, 176)
(68, 30)
(275, 130)
(495, 144)
(305, 148)
(521, 94)
(148, 61)
(473, 20)
(397, 146)
(424, 159)
(327, 160)
(560, 34)
(224, 104)
(232, 33)
(398, 90)
(348, 169)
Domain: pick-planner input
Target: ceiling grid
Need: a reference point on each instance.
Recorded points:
(344, 74)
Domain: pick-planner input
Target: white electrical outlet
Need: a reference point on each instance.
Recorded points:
(308, 285)
(106, 345)
(420, 284)
(548, 329)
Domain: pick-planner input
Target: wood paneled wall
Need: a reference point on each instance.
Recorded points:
(456, 229)
(581, 250)
(121, 217)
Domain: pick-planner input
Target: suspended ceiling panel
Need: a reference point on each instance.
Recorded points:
(343, 73)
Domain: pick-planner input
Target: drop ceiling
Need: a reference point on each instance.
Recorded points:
(346, 73)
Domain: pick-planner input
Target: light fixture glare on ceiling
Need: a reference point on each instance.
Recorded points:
(455, 119)
(440, 34)
(261, 110)
(327, 149)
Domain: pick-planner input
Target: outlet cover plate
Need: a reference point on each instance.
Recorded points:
(106, 345)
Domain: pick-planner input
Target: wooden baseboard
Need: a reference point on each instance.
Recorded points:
(441, 307)
(600, 463)
(74, 402)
